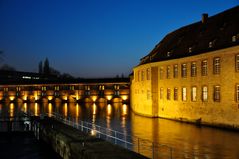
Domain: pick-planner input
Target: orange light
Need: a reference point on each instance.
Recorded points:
(124, 97)
(94, 98)
(94, 109)
(124, 112)
(11, 98)
(25, 107)
(35, 96)
(36, 109)
(50, 109)
(93, 132)
(109, 109)
(11, 110)
(77, 110)
(109, 97)
(65, 109)
(25, 97)
(50, 97)
(65, 97)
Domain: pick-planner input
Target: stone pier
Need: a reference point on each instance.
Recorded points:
(70, 143)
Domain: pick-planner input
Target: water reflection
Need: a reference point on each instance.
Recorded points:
(187, 141)
(65, 110)
(11, 112)
(50, 109)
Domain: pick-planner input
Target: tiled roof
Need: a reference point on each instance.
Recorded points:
(216, 32)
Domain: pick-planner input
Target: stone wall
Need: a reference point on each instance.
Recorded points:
(223, 113)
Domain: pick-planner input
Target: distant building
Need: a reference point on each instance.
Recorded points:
(192, 74)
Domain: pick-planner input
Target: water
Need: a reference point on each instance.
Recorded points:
(187, 140)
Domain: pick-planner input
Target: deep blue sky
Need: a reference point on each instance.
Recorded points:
(92, 38)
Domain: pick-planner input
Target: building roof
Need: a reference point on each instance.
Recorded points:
(212, 33)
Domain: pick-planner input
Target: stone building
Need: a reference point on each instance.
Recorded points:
(192, 75)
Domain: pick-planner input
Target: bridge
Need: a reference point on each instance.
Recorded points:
(108, 90)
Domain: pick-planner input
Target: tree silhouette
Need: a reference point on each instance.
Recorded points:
(46, 67)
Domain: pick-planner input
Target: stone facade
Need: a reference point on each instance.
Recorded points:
(160, 90)
(192, 75)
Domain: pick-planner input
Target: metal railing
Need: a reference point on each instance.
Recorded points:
(141, 146)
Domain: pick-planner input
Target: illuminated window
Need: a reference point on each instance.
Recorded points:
(72, 88)
(210, 45)
(161, 72)
(18, 88)
(189, 49)
(237, 63)
(216, 93)
(161, 93)
(184, 94)
(184, 70)
(148, 74)
(216, 65)
(204, 93)
(234, 38)
(193, 69)
(142, 75)
(168, 53)
(57, 88)
(175, 96)
(237, 93)
(194, 94)
(175, 71)
(168, 93)
(204, 68)
(168, 72)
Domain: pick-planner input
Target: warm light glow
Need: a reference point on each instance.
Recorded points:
(50, 109)
(11, 110)
(25, 107)
(94, 109)
(36, 109)
(25, 97)
(77, 110)
(77, 96)
(50, 97)
(93, 132)
(35, 96)
(109, 109)
(94, 98)
(11, 98)
(65, 110)
(109, 97)
(65, 97)
(124, 97)
(124, 109)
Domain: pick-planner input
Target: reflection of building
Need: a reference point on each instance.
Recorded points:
(192, 74)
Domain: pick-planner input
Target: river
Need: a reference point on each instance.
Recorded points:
(186, 140)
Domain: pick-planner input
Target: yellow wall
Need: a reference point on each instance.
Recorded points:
(223, 113)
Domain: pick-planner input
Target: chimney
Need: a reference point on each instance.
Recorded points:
(204, 17)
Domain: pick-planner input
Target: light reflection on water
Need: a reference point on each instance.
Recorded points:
(208, 143)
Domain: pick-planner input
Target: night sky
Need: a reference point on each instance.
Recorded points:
(92, 38)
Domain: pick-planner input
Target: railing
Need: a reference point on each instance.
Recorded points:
(141, 146)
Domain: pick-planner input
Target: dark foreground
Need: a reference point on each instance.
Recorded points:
(23, 145)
